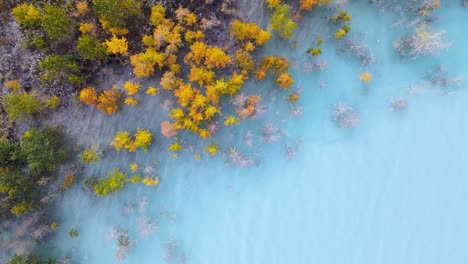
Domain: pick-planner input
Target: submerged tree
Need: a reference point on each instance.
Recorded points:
(423, 42)
(345, 116)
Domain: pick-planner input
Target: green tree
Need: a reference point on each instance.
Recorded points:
(64, 68)
(89, 48)
(55, 22)
(18, 106)
(26, 15)
(281, 22)
(115, 12)
(42, 149)
(114, 182)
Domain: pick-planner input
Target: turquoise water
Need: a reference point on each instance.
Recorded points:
(392, 190)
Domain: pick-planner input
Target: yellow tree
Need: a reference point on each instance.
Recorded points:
(88, 96)
(285, 81)
(107, 101)
(131, 87)
(216, 57)
(117, 45)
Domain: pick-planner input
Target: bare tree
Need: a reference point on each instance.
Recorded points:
(422, 43)
(398, 104)
(146, 226)
(345, 116)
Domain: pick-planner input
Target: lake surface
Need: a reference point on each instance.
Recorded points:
(392, 190)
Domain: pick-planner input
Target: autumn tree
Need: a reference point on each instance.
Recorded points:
(167, 129)
(244, 60)
(26, 15)
(108, 101)
(308, 4)
(131, 87)
(366, 77)
(249, 31)
(158, 13)
(285, 81)
(114, 182)
(117, 45)
(273, 3)
(211, 56)
(89, 96)
(144, 63)
(141, 139)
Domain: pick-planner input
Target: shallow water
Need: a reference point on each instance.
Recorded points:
(392, 190)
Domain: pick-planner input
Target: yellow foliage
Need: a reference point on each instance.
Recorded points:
(177, 113)
(190, 19)
(210, 111)
(244, 60)
(141, 139)
(203, 133)
(235, 83)
(285, 81)
(231, 121)
(89, 96)
(185, 94)
(277, 65)
(175, 147)
(132, 88)
(152, 91)
(148, 41)
(118, 31)
(150, 181)
(26, 15)
(293, 97)
(211, 149)
(13, 85)
(86, 28)
(307, 4)
(117, 45)
(121, 140)
(249, 46)
(169, 81)
(53, 102)
(340, 34)
(201, 75)
(366, 77)
(273, 3)
(135, 178)
(249, 31)
(81, 7)
(107, 101)
(157, 14)
(197, 53)
(144, 63)
(192, 36)
(216, 57)
(131, 101)
(133, 167)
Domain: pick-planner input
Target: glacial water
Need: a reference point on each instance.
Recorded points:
(392, 190)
